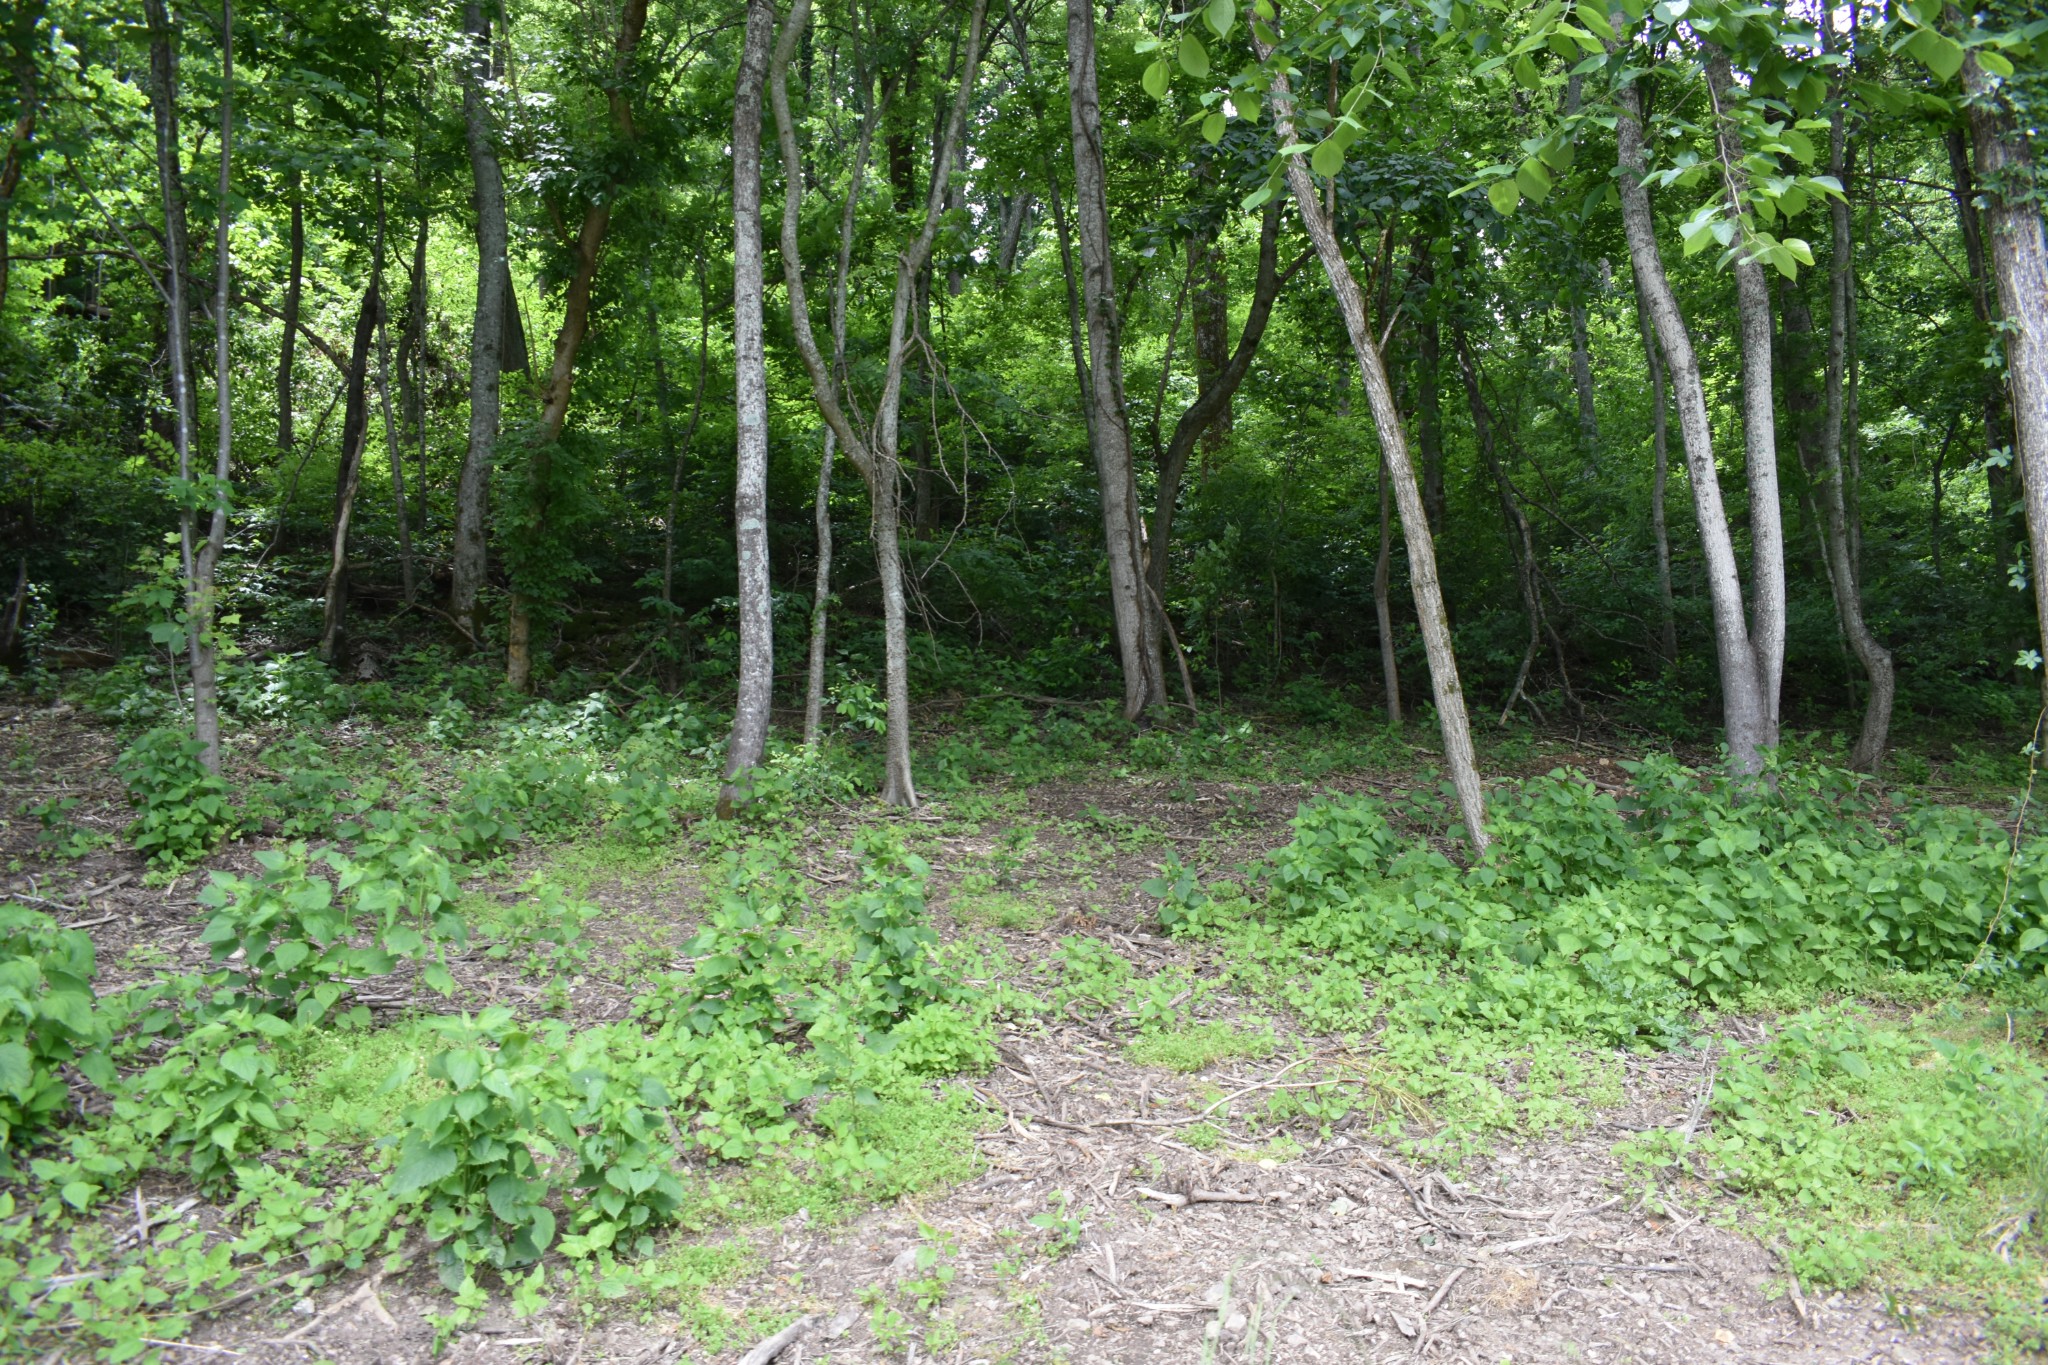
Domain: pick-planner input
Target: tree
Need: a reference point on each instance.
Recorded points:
(749, 741)
(487, 331)
(1137, 637)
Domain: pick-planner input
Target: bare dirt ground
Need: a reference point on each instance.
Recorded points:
(1325, 1249)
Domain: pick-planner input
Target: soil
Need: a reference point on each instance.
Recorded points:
(1321, 1250)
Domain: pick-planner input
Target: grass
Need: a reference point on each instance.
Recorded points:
(1201, 1046)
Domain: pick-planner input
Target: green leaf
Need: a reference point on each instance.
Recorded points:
(1155, 79)
(1994, 62)
(420, 1167)
(17, 1070)
(1526, 73)
(1854, 1064)
(1328, 157)
(1212, 128)
(1533, 180)
(438, 980)
(1504, 196)
(2032, 939)
(1194, 58)
(1593, 19)
(1558, 154)
(1220, 16)
(1937, 52)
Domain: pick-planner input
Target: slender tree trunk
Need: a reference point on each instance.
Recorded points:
(355, 431)
(2018, 257)
(1820, 451)
(1383, 599)
(23, 32)
(876, 455)
(1992, 403)
(1429, 415)
(749, 743)
(391, 445)
(206, 649)
(1759, 426)
(1122, 535)
(1209, 309)
(1660, 456)
(294, 294)
(821, 508)
(412, 361)
(678, 452)
(487, 330)
(1744, 711)
(1211, 405)
(554, 403)
(1015, 211)
(1429, 604)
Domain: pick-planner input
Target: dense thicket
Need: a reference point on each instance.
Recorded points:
(1701, 340)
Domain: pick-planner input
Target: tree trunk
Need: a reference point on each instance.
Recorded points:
(1429, 414)
(1744, 714)
(412, 377)
(1819, 443)
(294, 294)
(206, 647)
(1383, 600)
(1582, 377)
(391, 445)
(681, 451)
(749, 741)
(23, 38)
(1211, 405)
(1122, 535)
(1015, 211)
(1997, 419)
(821, 508)
(1209, 309)
(2018, 258)
(1429, 603)
(1660, 456)
(355, 430)
(487, 330)
(554, 401)
(163, 99)
(1759, 425)
(875, 455)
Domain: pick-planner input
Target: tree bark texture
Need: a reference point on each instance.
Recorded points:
(874, 453)
(1996, 416)
(2018, 258)
(1660, 464)
(1743, 710)
(749, 741)
(294, 295)
(1429, 603)
(1759, 424)
(1137, 633)
(487, 330)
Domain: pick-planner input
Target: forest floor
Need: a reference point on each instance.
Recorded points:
(1117, 1197)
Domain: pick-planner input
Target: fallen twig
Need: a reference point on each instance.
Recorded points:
(1443, 1290)
(780, 1342)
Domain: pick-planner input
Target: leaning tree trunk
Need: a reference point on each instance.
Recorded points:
(487, 330)
(1383, 600)
(1429, 602)
(1144, 672)
(2019, 265)
(750, 368)
(1744, 713)
(355, 430)
(1759, 425)
(876, 455)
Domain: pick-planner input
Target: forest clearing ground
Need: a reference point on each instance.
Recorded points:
(1125, 1200)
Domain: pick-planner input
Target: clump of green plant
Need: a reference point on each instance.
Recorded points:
(61, 836)
(745, 951)
(475, 1157)
(181, 810)
(892, 945)
(287, 932)
(216, 1098)
(47, 1021)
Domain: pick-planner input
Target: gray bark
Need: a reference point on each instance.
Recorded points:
(1744, 715)
(355, 430)
(1122, 533)
(1383, 600)
(1992, 403)
(750, 368)
(876, 454)
(206, 651)
(2018, 258)
(1429, 603)
(487, 331)
(1759, 426)
(294, 293)
(391, 446)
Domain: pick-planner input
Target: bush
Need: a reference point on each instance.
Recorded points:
(181, 810)
(216, 1098)
(47, 1021)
